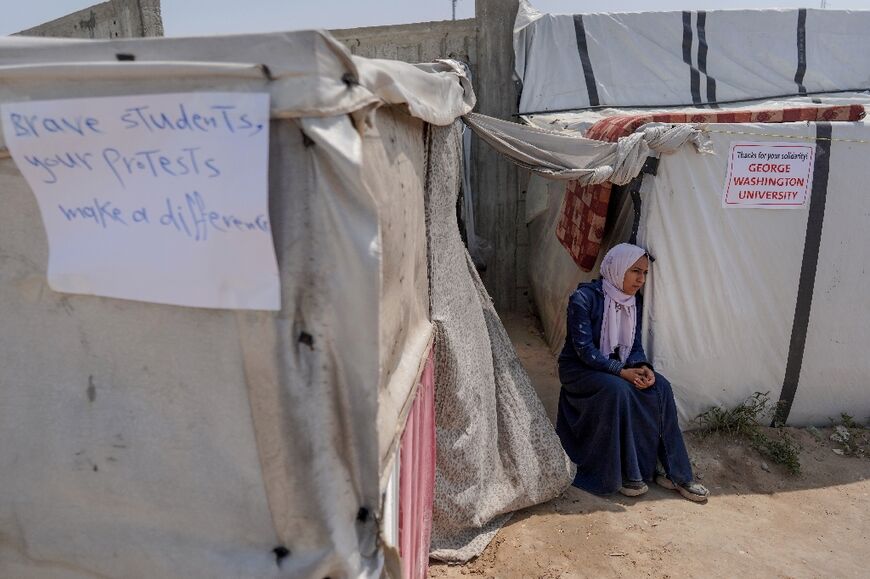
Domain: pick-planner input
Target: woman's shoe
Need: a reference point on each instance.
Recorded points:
(633, 488)
(694, 491)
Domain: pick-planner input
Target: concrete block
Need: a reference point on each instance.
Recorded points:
(418, 42)
(113, 19)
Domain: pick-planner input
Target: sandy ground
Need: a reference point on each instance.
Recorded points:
(759, 522)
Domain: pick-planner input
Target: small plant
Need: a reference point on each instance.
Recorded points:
(783, 449)
(744, 421)
(741, 420)
(848, 421)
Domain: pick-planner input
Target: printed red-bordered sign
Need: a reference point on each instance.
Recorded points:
(769, 175)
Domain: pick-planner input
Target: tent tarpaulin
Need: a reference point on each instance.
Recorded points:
(758, 300)
(739, 300)
(143, 440)
(575, 61)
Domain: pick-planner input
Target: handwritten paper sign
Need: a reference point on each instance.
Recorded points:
(158, 198)
(772, 175)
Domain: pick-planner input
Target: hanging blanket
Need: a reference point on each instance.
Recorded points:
(584, 211)
(497, 451)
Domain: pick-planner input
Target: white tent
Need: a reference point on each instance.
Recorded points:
(739, 300)
(145, 440)
(689, 58)
(149, 440)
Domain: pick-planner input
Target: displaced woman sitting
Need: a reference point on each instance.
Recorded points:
(617, 416)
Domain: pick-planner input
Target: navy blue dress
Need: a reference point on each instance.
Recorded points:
(613, 431)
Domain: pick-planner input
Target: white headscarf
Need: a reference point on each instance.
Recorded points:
(620, 312)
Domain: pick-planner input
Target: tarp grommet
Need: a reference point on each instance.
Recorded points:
(349, 79)
(307, 339)
(281, 552)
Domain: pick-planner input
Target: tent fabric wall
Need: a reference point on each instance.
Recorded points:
(732, 336)
(832, 375)
(721, 301)
(770, 359)
(496, 449)
(724, 288)
(405, 330)
(143, 440)
(685, 58)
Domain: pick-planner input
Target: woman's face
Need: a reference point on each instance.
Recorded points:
(635, 276)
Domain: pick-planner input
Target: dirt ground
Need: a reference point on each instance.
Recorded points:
(759, 522)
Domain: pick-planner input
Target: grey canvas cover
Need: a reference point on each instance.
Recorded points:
(144, 440)
(685, 58)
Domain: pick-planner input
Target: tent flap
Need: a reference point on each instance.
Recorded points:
(567, 155)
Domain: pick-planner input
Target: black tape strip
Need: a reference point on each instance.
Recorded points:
(702, 59)
(801, 51)
(694, 75)
(588, 73)
(637, 205)
(807, 280)
(635, 223)
(687, 38)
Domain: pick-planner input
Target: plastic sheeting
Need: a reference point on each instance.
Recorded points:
(685, 58)
(143, 440)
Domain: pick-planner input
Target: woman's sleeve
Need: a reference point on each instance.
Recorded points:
(637, 357)
(580, 330)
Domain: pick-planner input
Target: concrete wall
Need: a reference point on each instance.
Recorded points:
(419, 42)
(500, 212)
(486, 44)
(113, 19)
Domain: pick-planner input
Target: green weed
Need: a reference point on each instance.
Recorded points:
(744, 421)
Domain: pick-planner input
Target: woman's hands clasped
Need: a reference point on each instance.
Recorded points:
(641, 378)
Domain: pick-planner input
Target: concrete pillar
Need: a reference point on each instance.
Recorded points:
(113, 19)
(495, 179)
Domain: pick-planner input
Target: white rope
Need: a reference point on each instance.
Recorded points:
(779, 136)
